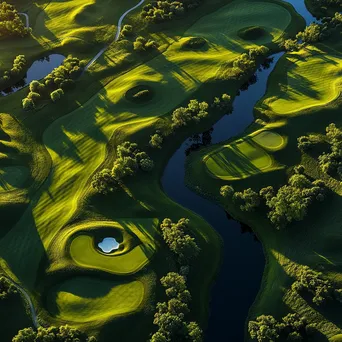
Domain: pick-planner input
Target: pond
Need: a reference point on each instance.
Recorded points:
(38, 70)
(243, 261)
(108, 245)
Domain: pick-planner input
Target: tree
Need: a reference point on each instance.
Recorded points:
(182, 244)
(195, 332)
(56, 95)
(248, 199)
(263, 329)
(146, 164)
(104, 182)
(28, 104)
(156, 141)
(227, 191)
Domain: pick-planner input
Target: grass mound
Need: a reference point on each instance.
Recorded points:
(252, 33)
(86, 299)
(140, 94)
(194, 43)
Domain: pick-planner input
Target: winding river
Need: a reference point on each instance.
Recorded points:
(243, 261)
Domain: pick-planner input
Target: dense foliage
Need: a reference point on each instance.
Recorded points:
(292, 327)
(160, 11)
(195, 111)
(18, 68)
(313, 282)
(171, 315)
(6, 288)
(142, 44)
(247, 62)
(130, 159)
(182, 244)
(54, 85)
(331, 162)
(315, 33)
(10, 23)
(290, 203)
(52, 334)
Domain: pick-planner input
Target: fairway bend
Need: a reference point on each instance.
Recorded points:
(28, 300)
(117, 35)
(243, 261)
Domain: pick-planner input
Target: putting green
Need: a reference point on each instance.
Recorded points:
(271, 141)
(304, 79)
(238, 160)
(85, 299)
(13, 177)
(83, 252)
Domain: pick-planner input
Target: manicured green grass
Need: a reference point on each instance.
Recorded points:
(244, 157)
(83, 300)
(313, 78)
(12, 177)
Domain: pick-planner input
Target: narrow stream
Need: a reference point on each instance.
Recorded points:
(243, 261)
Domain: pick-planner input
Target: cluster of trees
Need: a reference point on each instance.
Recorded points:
(315, 33)
(54, 85)
(52, 334)
(331, 162)
(6, 289)
(312, 282)
(10, 23)
(129, 160)
(170, 316)
(18, 67)
(194, 112)
(289, 203)
(292, 327)
(319, 4)
(165, 10)
(142, 44)
(247, 62)
(179, 242)
(223, 103)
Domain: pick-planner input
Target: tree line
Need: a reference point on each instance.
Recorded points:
(287, 204)
(54, 85)
(161, 11)
(171, 315)
(18, 67)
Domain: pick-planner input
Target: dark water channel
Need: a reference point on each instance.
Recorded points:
(38, 70)
(243, 262)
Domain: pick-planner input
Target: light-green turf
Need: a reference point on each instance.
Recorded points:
(12, 177)
(85, 300)
(244, 158)
(269, 140)
(313, 79)
(84, 254)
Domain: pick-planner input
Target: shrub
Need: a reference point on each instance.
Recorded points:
(28, 104)
(227, 191)
(248, 199)
(156, 141)
(56, 95)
